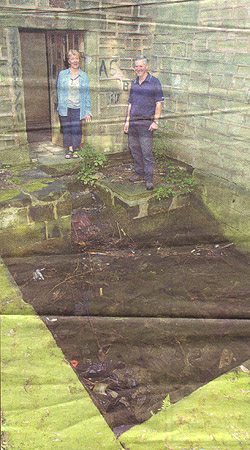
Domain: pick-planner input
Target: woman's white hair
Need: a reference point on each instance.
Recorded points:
(73, 52)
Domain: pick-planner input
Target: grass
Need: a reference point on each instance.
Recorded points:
(44, 404)
(215, 417)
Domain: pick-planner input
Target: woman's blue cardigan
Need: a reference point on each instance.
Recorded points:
(62, 93)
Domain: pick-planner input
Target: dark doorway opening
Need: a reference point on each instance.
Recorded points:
(36, 91)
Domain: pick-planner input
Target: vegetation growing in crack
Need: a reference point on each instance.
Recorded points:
(92, 161)
(176, 179)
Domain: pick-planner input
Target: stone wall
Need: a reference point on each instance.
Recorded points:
(114, 35)
(35, 218)
(13, 148)
(126, 33)
(199, 51)
(204, 63)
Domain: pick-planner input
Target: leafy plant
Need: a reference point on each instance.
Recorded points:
(177, 179)
(92, 161)
(165, 404)
(5, 166)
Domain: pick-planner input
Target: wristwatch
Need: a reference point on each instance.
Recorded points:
(156, 121)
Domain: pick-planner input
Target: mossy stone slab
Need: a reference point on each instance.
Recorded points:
(130, 192)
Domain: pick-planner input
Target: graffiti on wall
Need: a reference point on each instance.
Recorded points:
(125, 85)
(16, 73)
(110, 69)
(114, 97)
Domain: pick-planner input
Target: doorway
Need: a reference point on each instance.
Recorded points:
(35, 79)
(43, 56)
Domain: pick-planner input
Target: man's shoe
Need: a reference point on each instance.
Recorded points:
(136, 177)
(149, 186)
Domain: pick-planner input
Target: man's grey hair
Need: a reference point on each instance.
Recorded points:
(145, 59)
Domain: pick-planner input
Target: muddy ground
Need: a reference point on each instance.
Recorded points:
(137, 324)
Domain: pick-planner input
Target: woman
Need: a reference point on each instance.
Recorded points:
(73, 103)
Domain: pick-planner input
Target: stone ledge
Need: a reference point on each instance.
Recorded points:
(134, 197)
(36, 219)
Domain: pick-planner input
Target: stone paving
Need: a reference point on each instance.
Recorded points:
(51, 159)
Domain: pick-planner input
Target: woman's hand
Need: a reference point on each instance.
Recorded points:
(88, 118)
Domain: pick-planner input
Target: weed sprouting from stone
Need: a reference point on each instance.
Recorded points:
(92, 161)
(176, 179)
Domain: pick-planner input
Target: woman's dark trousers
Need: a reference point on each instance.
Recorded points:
(72, 128)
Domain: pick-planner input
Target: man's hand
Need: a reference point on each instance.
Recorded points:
(153, 126)
(88, 118)
(125, 128)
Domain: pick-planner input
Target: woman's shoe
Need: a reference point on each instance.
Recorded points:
(69, 154)
(75, 154)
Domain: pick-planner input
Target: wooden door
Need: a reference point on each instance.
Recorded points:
(58, 44)
(35, 79)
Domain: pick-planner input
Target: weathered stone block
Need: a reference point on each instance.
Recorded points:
(178, 50)
(217, 126)
(243, 70)
(51, 192)
(240, 131)
(156, 206)
(217, 92)
(126, 63)
(130, 211)
(21, 239)
(233, 212)
(15, 155)
(199, 87)
(128, 27)
(58, 228)
(82, 199)
(181, 66)
(105, 52)
(237, 94)
(64, 207)
(238, 82)
(234, 117)
(12, 217)
(39, 213)
(15, 201)
(165, 63)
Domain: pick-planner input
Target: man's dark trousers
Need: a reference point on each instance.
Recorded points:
(140, 141)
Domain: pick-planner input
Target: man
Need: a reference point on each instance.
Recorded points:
(144, 110)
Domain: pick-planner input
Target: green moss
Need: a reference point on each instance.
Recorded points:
(21, 184)
(20, 167)
(8, 194)
(31, 186)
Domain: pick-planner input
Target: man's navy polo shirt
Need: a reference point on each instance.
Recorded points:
(143, 97)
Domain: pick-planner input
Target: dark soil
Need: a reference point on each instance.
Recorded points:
(139, 324)
(6, 179)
